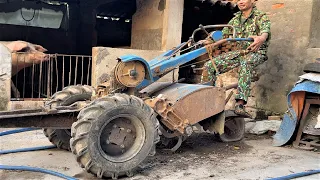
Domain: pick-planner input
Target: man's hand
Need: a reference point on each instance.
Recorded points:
(257, 43)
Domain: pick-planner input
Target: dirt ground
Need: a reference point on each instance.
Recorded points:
(200, 157)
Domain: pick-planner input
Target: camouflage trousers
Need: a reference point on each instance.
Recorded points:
(228, 61)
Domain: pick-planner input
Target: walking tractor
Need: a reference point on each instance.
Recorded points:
(114, 127)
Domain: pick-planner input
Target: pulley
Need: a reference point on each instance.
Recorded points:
(130, 74)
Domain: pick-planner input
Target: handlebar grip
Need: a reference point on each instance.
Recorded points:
(239, 39)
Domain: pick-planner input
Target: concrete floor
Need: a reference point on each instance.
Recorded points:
(200, 157)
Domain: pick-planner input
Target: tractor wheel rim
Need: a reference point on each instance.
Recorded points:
(231, 128)
(121, 138)
(68, 132)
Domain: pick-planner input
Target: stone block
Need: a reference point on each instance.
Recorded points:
(5, 77)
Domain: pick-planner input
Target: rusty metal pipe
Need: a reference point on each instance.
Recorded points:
(232, 86)
(216, 26)
(229, 96)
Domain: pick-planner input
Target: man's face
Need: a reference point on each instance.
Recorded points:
(245, 4)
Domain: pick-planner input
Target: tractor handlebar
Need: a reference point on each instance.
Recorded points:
(239, 39)
(203, 28)
(233, 39)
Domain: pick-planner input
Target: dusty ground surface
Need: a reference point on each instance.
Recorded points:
(200, 157)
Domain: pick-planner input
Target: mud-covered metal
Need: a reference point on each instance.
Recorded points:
(195, 102)
(311, 141)
(60, 117)
(130, 74)
(170, 118)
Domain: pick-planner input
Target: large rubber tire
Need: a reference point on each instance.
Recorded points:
(89, 134)
(312, 67)
(59, 137)
(68, 96)
(234, 130)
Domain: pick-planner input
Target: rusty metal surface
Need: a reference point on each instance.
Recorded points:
(57, 117)
(299, 141)
(201, 104)
(154, 87)
(103, 89)
(232, 86)
(130, 74)
(229, 96)
(195, 102)
(158, 86)
(19, 113)
(38, 118)
(170, 118)
(309, 142)
(26, 104)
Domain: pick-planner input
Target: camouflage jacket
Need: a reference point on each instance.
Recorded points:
(256, 24)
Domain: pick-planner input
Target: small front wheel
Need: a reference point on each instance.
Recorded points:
(234, 129)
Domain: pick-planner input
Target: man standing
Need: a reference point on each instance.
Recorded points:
(248, 22)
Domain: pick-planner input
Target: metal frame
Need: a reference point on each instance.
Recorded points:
(154, 69)
(299, 140)
(60, 117)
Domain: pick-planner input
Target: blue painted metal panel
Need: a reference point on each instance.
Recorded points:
(163, 66)
(177, 91)
(144, 84)
(289, 122)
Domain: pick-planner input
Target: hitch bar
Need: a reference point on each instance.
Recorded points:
(39, 118)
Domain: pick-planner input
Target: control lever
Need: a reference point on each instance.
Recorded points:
(204, 30)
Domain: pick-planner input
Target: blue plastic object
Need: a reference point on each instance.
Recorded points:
(16, 131)
(27, 149)
(289, 122)
(296, 175)
(35, 169)
(216, 35)
(26, 168)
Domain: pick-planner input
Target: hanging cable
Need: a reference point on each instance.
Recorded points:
(27, 168)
